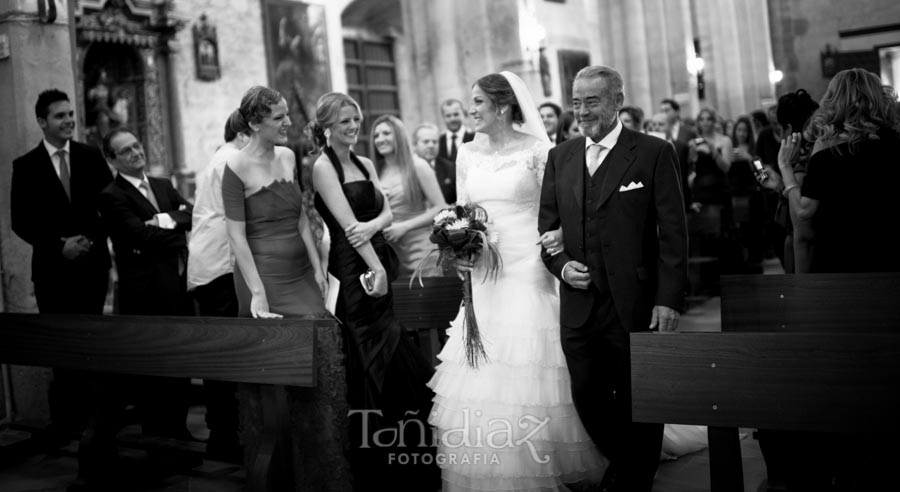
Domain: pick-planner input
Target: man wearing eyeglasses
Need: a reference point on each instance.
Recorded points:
(147, 221)
(53, 207)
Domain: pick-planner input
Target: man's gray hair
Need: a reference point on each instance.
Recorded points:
(613, 79)
(415, 133)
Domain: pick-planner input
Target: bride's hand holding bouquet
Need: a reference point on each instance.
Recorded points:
(461, 238)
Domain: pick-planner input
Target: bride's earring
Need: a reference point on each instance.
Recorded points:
(327, 133)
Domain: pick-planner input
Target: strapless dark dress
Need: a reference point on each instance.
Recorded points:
(319, 414)
(386, 372)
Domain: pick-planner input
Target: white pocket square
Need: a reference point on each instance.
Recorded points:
(632, 186)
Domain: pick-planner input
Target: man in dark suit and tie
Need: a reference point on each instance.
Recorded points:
(147, 221)
(53, 205)
(623, 265)
(445, 164)
(682, 151)
(678, 131)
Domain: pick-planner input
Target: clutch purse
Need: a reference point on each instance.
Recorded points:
(368, 280)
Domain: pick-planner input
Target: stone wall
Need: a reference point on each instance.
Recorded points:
(800, 29)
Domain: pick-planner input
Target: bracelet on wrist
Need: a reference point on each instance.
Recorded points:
(787, 189)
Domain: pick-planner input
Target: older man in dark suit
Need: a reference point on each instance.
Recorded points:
(147, 221)
(616, 194)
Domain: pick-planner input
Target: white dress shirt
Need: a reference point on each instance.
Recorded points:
(164, 220)
(54, 157)
(209, 252)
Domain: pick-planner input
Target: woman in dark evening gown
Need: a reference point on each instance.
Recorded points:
(278, 274)
(386, 374)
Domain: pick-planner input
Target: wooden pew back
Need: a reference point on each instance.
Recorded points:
(811, 303)
(427, 311)
(835, 382)
(277, 352)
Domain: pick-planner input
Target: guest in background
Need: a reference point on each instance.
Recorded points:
(210, 275)
(794, 111)
(746, 197)
(412, 192)
(568, 127)
(678, 130)
(838, 224)
(425, 142)
(759, 120)
(453, 113)
(682, 153)
(550, 115)
(385, 372)
(632, 118)
(147, 221)
(53, 207)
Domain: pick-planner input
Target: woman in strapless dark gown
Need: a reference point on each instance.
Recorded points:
(278, 274)
(386, 373)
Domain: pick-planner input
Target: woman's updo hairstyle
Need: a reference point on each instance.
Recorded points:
(328, 110)
(498, 90)
(256, 104)
(795, 109)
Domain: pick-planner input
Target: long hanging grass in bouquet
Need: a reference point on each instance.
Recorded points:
(460, 232)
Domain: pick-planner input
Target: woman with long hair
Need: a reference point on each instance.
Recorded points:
(413, 194)
(386, 374)
(746, 198)
(838, 211)
(568, 127)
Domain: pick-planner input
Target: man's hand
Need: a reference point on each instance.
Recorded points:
(577, 275)
(75, 247)
(152, 222)
(664, 318)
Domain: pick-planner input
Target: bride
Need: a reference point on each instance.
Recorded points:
(511, 423)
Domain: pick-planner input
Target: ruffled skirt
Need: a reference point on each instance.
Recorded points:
(511, 424)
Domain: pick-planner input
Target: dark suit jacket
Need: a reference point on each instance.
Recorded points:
(643, 234)
(445, 166)
(42, 214)
(147, 257)
(685, 133)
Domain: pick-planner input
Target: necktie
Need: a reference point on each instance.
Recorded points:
(453, 146)
(149, 194)
(64, 172)
(593, 158)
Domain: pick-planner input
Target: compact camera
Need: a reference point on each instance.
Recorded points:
(368, 280)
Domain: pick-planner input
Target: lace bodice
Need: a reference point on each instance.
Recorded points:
(508, 181)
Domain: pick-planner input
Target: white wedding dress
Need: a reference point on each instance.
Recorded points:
(510, 424)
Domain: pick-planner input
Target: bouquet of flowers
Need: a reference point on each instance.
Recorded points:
(459, 232)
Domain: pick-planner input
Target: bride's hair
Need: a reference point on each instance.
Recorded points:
(328, 110)
(404, 156)
(255, 105)
(498, 90)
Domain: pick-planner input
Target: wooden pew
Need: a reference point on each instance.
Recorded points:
(271, 353)
(797, 352)
(427, 311)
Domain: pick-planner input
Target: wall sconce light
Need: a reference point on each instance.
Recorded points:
(775, 76)
(695, 65)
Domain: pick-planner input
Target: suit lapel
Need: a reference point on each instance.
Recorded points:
(162, 198)
(619, 160)
(48, 174)
(136, 196)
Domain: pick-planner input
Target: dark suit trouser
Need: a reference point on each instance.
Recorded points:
(82, 291)
(218, 298)
(598, 356)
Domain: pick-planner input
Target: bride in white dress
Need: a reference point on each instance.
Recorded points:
(510, 424)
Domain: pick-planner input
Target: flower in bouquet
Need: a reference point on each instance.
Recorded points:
(460, 233)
